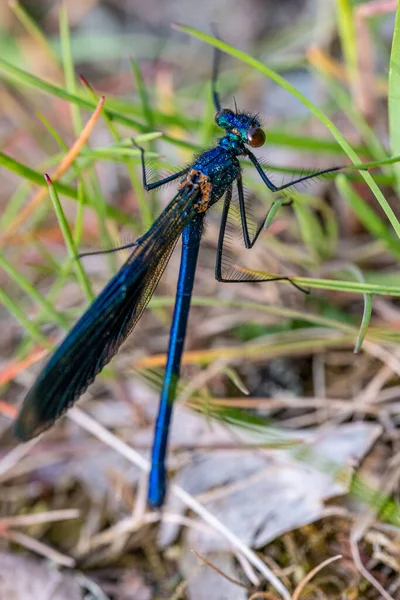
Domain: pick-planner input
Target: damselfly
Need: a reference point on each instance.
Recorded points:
(99, 333)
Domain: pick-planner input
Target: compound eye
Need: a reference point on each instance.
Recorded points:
(255, 137)
(222, 116)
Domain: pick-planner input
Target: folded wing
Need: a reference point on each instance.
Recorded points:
(99, 333)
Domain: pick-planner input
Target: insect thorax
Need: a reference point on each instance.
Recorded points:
(194, 181)
(213, 172)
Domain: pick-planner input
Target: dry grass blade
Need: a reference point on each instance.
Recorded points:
(310, 575)
(7, 410)
(14, 367)
(209, 564)
(131, 524)
(45, 517)
(262, 596)
(364, 572)
(39, 548)
(16, 454)
(61, 169)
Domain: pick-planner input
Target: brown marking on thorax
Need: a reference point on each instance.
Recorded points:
(198, 180)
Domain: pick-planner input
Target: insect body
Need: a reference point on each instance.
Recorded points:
(99, 333)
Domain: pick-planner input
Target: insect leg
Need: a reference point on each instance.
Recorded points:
(155, 184)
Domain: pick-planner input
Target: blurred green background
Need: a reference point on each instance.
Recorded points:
(280, 430)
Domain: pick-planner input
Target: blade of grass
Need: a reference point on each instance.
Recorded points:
(348, 286)
(32, 292)
(24, 78)
(378, 163)
(13, 368)
(20, 316)
(347, 106)
(68, 65)
(69, 241)
(143, 95)
(366, 319)
(14, 73)
(15, 204)
(147, 207)
(291, 346)
(367, 215)
(367, 312)
(78, 229)
(32, 28)
(53, 132)
(61, 169)
(347, 35)
(144, 205)
(394, 95)
(328, 284)
(310, 230)
(275, 206)
(34, 176)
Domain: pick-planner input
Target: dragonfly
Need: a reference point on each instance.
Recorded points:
(99, 333)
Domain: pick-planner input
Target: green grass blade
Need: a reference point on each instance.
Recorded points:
(20, 316)
(143, 95)
(29, 289)
(310, 230)
(15, 204)
(25, 78)
(69, 241)
(275, 206)
(368, 216)
(53, 132)
(367, 312)
(34, 176)
(346, 104)
(68, 66)
(347, 34)
(78, 229)
(32, 28)
(366, 319)
(394, 95)
(378, 163)
(353, 287)
(313, 144)
(22, 77)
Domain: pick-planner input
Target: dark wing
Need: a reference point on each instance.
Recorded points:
(99, 333)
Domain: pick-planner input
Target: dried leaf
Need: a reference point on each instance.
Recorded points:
(23, 578)
(260, 495)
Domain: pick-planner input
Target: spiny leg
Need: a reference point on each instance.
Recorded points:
(275, 188)
(118, 248)
(155, 184)
(249, 243)
(221, 238)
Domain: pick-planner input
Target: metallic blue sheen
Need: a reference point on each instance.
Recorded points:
(191, 237)
(99, 333)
